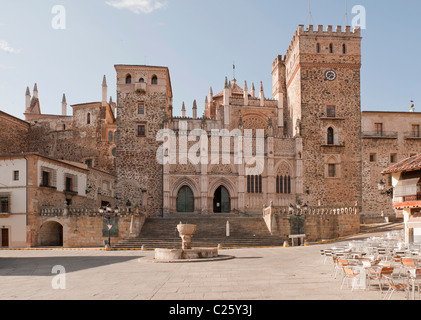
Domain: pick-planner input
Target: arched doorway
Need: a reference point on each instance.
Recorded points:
(221, 201)
(185, 200)
(51, 234)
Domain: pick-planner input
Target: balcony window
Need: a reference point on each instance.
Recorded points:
(4, 204)
(378, 129)
(330, 136)
(331, 112)
(141, 131)
(415, 131)
(45, 179)
(332, 170)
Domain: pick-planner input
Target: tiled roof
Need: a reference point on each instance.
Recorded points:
(235, 89)
(409, 164)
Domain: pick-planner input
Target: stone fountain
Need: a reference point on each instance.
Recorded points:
(187, 253)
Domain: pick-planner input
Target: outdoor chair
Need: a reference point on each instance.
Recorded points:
(393, 287)
(380, 274)
(349, 275)
(339, 265)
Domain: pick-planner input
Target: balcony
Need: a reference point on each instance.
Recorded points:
(412, 136)
(380, 135)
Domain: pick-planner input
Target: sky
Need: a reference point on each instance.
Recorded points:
(67, 46)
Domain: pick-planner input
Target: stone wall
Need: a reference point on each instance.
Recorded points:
(320, 223)
(14, 134)
(86, 228)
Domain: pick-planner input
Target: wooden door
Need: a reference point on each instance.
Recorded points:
(5, 238)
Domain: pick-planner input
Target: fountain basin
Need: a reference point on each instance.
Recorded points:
(185, 254)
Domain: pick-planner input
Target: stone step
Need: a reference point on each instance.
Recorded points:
(211, 231)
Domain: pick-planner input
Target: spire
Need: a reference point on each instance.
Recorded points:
(253, 90)
(64, 105)
(262, 95)
(104, 91)
(35, 91)
(246, 94)
(226, 86)
(194, 109)
(27, 99)
(183, 111)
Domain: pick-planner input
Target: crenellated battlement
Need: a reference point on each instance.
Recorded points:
(329, 31)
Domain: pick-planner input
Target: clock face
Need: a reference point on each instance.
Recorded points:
(330, 75)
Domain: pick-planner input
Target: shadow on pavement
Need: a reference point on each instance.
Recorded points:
(42, 266)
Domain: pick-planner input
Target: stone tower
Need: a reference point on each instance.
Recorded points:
(144, 100)
(317, 85)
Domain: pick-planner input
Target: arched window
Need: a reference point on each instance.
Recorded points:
(330, 136)
(154, 80)
(331, 48)
(344, 48)
(141, 80)
(318, 48)
(110, 136)
(88, 118)
(128, 79)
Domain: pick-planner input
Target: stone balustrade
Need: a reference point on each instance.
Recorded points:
(84, 211)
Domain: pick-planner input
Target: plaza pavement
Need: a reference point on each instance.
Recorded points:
(292, 273)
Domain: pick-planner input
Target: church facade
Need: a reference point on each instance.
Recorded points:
(310, 135)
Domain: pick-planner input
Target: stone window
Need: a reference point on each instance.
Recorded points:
(318, 48)
(110, 136)
(330, 136)
(283, 184)
(141, 130)
(4, 203)
(141, 108)
(88, 118)
(378, 129)
(373, 157)
(344, 48)
(128, 79)
(331, 48)
(415, 131)
(393, 158)
(332, 170)
(331, 111)
(16, 175)
(48, 178)
(254, 184)
(70, 183)
(141, 80)
(154, 80)
(89, 163)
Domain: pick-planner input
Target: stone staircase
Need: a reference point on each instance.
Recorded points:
(210, 232)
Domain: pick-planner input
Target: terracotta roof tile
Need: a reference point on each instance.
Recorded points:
(409, 164)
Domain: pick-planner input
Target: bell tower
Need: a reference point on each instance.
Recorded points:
(322, 81)
(144, 100)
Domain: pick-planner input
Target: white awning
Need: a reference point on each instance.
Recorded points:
(406, 188)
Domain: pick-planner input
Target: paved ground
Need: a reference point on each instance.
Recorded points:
(294, 273)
